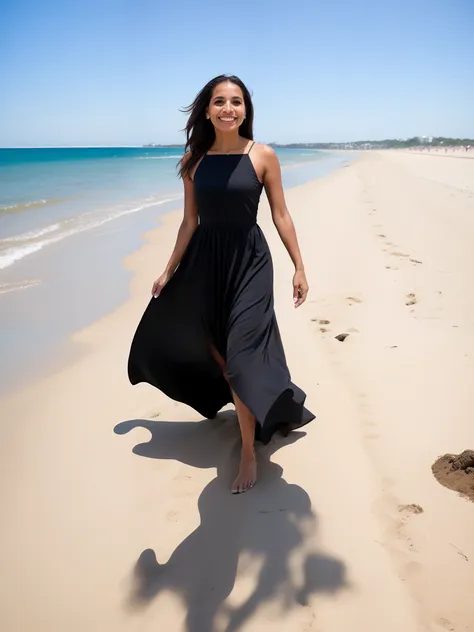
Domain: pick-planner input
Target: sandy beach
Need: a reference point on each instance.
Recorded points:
(116, 511)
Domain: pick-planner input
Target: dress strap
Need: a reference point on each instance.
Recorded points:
(251, 147)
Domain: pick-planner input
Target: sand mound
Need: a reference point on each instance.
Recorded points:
(456, 471)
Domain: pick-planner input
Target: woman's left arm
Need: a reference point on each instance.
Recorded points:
(283, 221)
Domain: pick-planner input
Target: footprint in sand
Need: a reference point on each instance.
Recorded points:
(353, 299)
(180, 478)
(446, 624)
(411, 299)
(173, 516)
(399, 254)
(413, 508)
(416, 261)
(321, 321)
(152, 415)
(391, 268)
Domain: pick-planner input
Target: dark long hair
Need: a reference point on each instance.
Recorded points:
(200, 134)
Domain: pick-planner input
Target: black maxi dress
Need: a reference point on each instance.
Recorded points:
(221, 296)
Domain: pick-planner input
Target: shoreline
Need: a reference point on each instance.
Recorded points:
(109, 489)
(66, 350)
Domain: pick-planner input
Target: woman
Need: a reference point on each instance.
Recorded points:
(209, 335)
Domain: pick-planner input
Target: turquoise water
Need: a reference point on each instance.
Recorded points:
(47, 195)
(68, 216)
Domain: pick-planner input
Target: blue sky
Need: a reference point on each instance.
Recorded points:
(112, 72)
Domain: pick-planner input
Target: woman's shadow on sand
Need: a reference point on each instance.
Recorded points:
(266, 525)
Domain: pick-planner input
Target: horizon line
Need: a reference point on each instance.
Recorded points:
(180, 145)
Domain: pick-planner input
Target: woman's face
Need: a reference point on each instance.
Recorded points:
(226, 108)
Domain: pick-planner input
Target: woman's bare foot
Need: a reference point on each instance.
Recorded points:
(247, 476)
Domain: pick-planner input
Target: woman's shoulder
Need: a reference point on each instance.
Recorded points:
(265, 154)
(264, 150)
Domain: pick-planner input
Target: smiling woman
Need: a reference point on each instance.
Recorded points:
(226, 110)
(209, 336)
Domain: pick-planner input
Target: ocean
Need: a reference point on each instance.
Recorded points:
(68, 216)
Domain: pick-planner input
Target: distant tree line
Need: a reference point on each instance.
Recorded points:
(391, 143)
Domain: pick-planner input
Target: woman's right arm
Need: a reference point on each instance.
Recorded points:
(185, 232)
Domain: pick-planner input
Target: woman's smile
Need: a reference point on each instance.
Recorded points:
(227, 119)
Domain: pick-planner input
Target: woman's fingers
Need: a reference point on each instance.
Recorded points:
(159, 284)
(301, 294)
(156, 289)
(296, 293)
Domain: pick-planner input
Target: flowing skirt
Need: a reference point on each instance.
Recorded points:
(220, 299)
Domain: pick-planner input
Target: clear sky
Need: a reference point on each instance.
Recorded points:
(112, 72)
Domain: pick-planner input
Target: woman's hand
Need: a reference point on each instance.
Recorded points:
(159, 284)
(300, 288)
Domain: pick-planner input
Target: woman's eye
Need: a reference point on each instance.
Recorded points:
(221, 101)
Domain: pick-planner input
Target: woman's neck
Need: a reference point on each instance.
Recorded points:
(227, 142)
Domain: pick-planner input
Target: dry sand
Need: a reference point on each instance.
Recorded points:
(455, 152)
(347, 530)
